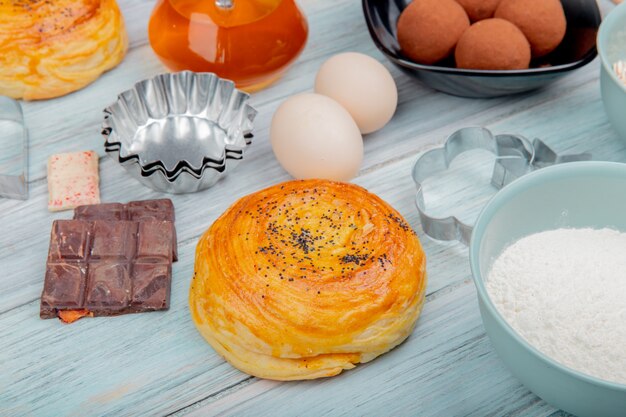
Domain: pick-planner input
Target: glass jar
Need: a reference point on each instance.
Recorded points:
(251, 42)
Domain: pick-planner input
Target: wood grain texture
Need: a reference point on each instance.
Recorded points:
(157, 364)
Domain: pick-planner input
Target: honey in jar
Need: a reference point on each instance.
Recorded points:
(251, 42)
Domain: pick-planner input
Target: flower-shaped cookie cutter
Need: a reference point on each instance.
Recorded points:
(514, 156)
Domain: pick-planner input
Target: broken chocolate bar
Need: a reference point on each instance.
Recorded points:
(108, 267)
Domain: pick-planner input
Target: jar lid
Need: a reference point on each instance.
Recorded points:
(225, 13)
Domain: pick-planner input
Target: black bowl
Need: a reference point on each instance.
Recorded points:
(577, 49)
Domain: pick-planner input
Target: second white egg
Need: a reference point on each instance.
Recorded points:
(362, 85)
(313, 136)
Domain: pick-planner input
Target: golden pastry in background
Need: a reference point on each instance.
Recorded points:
(51, 48)
(307, 278)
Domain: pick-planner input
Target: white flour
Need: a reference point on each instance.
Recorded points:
(564, 291)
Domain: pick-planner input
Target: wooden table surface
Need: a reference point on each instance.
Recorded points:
(158, 364)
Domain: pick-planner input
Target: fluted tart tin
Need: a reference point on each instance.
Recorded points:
(181, 132)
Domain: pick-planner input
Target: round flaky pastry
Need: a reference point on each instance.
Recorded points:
(51, 48)
(307, 278)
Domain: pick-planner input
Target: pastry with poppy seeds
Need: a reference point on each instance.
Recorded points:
(51, 48)
(307, 278)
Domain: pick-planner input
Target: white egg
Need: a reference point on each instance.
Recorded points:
(362, 85)
(313, 136)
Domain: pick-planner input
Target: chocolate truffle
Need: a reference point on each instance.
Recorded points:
(542, 22)
(429, 29)
(493, 44)
(479, 9)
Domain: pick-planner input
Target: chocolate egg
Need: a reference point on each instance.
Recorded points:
(493, 44)
(542, 22)
(429, 29)
(479, 9)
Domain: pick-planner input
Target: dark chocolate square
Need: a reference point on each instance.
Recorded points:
(105, 211)
(154, 241)
(68, 241)
(151, 210)
(64, 286)
(109, 286)
(113, 240)
(151, 286)
(138, 211)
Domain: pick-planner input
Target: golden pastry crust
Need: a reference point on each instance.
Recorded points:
(51, 48)
(307, 278)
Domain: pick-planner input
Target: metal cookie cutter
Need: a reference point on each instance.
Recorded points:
(514, 157)
(13, 150)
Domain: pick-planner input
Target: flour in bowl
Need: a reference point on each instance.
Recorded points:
(564, 291)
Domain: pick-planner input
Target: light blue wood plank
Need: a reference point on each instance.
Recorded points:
(93, 357)
(171, 338)
(453, 372)
(108, 366)
(153, 364)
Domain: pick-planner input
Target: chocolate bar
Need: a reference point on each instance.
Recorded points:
(119, 265)
(162, 210)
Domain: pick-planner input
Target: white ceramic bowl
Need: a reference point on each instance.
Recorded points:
(576, 195)
(612, 48)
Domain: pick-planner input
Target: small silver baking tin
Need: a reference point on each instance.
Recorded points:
(181, 132)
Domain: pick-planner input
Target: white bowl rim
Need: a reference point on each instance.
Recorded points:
(485, 216)
(618, 12)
